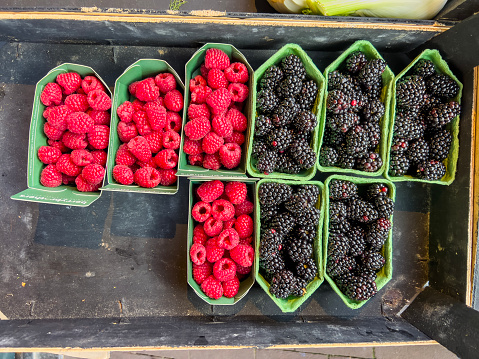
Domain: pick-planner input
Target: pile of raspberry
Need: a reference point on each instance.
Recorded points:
(216, 124)
(149, 129)
(222, 252)
(77, 128)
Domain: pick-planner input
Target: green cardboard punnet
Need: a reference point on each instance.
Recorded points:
(192, 69)
(139, 70)
(388, 76)
(314, 74)
(292, 303)
(453, 126)
(36, 192)
(386, 273)
(246, 284)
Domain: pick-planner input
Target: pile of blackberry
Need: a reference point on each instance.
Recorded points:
(359, 224)
(421, 135)
(354, 109)
(289, 222)
(285, 121)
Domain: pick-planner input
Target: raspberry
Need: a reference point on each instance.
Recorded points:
(66, 180)
(212, 143)
(173, 121)
(201, 211)
(155, 141)
(204, 71)
(197, 81)
(196, 160)
(98, 137)
(123, 174)
(147, 177)
(211, 190)
(198, 111)
(243, 270)
(150, 163)
(140, 148)
(70, 82)
(81, 157)
(171, 140)
(191, 147)
(224, 269)
(93, 173)
(156, 116)
(222, 126)
(147, 90)
(47, 111)
(236, 137)
(99, 100)
(219, 100)
(168, 177)
(217, 79)
(222, 210)
(49, 155)
(51, 132)
(216, 59)
(174, 100)
(65, 165)
(51, 176)
(200, 94)
(239, 92)
(159, 102)
(51, 94)
(237, 119)
(132, 87)
(230, 155)
(58, 144)
(237, 106)
(99, 157)
(212, 287)
(229, 224)
(138, 105)
(166, 159)
(213, 252)
(125, 111)
(236, 192)
(244, 226)
(246, 207)
(213, 227)
(79, 122)
(84, 186)
(77, 102)
(201, 272)
(212, 162)
(124, 156)
(126, 131)
(99, 117)
(58, 117)
(198, 254)
(228, 239)
(165, 82)
(243, 255)
(140, 118)
(197, 129)
(75, 141)
(199, 235)
(237, 72)
(231, 287)
(91, 83)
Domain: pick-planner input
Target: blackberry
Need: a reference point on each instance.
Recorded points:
(270, 244)
(373, 261)
(429, 103)
(378, 233)
(340, 227)
(337, 212)
(424, 68)
(408, 128)
(375, 90)
(399, 165)
(299, 288)
(267, 162)
(373, 110)
(307, 96)
(385, 206)
(306, 233)
(274, 264)
(431, 170)
(302, 136)
(272, 193)
(259, 147)
(286, 164)
(342, 121)
(280, 139)
(283, 223)
(266, 101)
(341, 190)
(285, 112)
(442, 86)
(338, 81)
(377, 190)
(309, 217)
(410, 91)
(289, 87)
(439, 145)
(362, 211)
(338, 245)
(357, 242)
(361, 288)
(345, 160)
(399, 145)
(299, 251)
(303, 154)
(282, 284)
(340, 267)
(333, 138)
(357, 141)
(271, 78)
(417, 129)
(328, 156)
(443, 114)
(337, 101)
(371, 73)
(372, 162)
(418, 151)
(267, 212)
(374, 132)
(357, 100)
(296, 204)
(292, 66)
(343, 280)
(263, 126)
(307, 270)
(356, 61)
(309, 192)
(305, 121)
(368, 274)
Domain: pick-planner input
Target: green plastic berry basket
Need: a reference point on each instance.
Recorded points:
(386, 273)
(292, 303)
(36, 192)
(453, 126)
(192, 69)
(388, 76)
(314, 74)
(245, 284)
(137, 71)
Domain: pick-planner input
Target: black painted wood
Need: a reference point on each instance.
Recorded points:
(457, 10)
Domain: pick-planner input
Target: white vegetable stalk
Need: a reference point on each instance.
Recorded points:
(288, 6)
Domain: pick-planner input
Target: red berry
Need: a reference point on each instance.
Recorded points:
(77, 102)
(166, 159)
(243, 270)
(165, 82)
(196, 160)
(224, 269)
(217, 79)
(126, 131)
(211, 143)
(199, 234)
(213, 227)
(228, 239)
(140, 148)
(200, 94)
(60, 145)
(155, 141)
(236, 137)
(212, 287)
(216, 59)
(219, 100)
(201, 211)
(79, 122)
(192, 147)
(197, 129)
(237, 119)
(156, 116)
(197, 81)
(174, 101)
(211, 190)
(137, 105)
(222, 210)
(198, 111)
(124, 156)
(70, 82)
(213, 252)
(230, 155)
(91, 83)
(212, 162)
(51, 94)
(243, 255)
(171, 140)
(99, 117)
(246, 207)
(84, 186)
(81, 157)
(231, 287)
(236, 192)
(51, 132)
(58, 117)
(239, 92)
(99, 157)
(244, 226)
(204, 71)
(125, 111)
(173, 121)
(51, 176)
(146, 90)
(229, 224)
(222, 126)
(65, 165)
(123, 174)
(48, 154)
(147, 177)
(198, 253)
(132, 87)
(93, 174)
(99, 100)
(168, 177)
(75, 141)
(201, 272)
(98, 137)
(150, 163)
(237, 72)
(140, 119)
